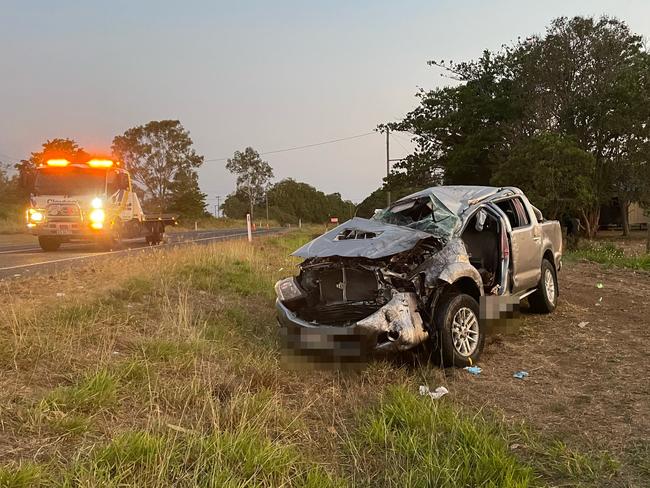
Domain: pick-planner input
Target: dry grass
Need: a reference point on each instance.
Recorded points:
(163, 369)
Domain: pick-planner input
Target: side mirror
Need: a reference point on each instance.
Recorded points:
(481, 217)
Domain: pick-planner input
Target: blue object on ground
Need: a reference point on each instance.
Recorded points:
(473, 369)
(520, 375)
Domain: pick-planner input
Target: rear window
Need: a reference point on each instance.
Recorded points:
(515, 211)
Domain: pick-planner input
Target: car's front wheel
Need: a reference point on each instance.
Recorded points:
(460, 335)
(49, 244)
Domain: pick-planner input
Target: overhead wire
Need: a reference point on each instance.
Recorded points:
(295, 148)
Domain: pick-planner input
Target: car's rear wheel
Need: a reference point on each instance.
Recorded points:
(544, 300)
(48, 243)
(460, 334)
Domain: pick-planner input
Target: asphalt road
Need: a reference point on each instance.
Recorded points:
(20, 260)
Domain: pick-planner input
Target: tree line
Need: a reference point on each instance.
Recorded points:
(565, 116)
(163, 165)
(287, 201)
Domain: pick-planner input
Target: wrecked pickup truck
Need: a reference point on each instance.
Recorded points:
(418, 270)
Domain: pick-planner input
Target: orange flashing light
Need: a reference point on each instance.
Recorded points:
(100, 163)
(58, 162)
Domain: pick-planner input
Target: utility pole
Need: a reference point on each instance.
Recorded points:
(267, 209)
(217, 208)
(387, 163)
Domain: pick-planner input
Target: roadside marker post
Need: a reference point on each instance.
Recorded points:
(248, 228)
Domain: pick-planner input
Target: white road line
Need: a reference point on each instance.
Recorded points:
(22, 249)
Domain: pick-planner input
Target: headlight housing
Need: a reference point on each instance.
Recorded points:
(288, 290)
(35, 216)
(97, 216)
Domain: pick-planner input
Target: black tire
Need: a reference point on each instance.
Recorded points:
(450, 346)
(48, 243)
(541, 301)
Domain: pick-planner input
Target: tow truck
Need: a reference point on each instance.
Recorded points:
(89, 201)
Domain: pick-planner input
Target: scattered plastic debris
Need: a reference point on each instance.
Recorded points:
(599, 302)
(582, 325)
(599, 285)
(60, 294)
(475, 370)
(520, 375)
(435, 394)
(16, 275)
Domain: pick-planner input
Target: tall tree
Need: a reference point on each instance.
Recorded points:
(155, 153)
(185, 196)
(588, 78)
(253, 175)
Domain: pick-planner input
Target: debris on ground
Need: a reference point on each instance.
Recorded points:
(599, 285)
(475, 370)
(582, 325)
(59, 294)
(520, 375)
(435, 394)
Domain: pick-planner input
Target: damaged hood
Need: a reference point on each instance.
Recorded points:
(388, 239)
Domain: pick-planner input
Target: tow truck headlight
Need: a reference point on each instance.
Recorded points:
(97, 217)
(96, 203)
(35, 215)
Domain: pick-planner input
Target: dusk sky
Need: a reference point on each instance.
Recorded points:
(270, 75)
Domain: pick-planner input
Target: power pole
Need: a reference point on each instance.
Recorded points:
(387, 163)
(218, 200)
(267, 209)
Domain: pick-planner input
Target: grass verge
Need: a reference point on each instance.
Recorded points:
(163, 369)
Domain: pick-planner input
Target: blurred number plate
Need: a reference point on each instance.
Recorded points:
(63, 229)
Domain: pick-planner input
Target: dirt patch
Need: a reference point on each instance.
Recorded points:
(588, 384)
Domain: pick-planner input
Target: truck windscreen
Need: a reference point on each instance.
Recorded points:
(70, 181)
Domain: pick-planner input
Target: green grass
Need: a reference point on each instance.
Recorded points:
(411, 441)
(95, 391)
(609, 254)
(25, 475)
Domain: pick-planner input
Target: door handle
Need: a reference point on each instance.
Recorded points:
(537, 238)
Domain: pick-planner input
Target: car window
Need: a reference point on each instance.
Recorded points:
(515, 211)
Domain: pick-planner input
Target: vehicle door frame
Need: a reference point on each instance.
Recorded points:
(525, 247)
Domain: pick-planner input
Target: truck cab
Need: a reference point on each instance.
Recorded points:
(92, 201)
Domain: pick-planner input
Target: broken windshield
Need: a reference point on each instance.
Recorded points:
(425, 213)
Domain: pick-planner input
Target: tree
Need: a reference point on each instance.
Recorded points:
(586, 80)
(185, 196)
(553, 172)
(461, 131)
(253, 175)
(154, 154)
(589, 79)
(51, 149)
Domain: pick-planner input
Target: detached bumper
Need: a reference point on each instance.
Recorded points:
(397, 326)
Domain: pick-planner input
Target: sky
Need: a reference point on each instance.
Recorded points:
(267, 74)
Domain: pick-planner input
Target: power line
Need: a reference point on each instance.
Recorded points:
(295, 148)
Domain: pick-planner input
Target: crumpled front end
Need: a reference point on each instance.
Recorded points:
(352, 297)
